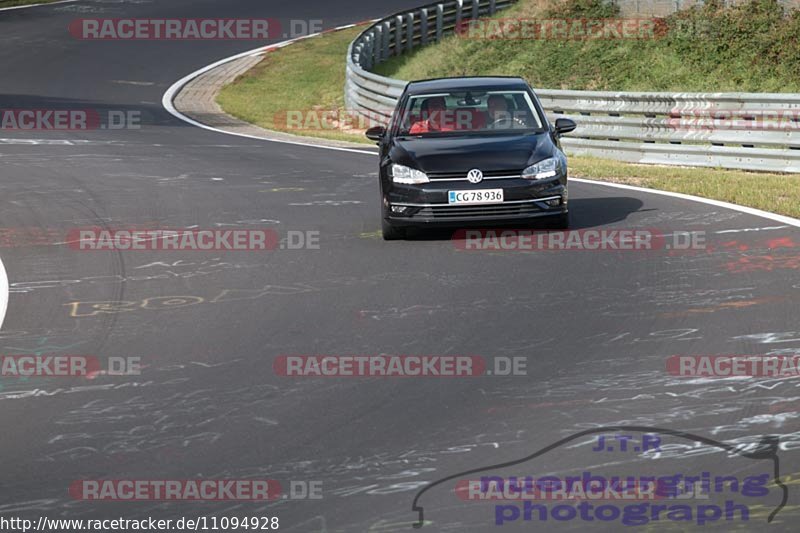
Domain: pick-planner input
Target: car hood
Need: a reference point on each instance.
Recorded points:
(463, 153)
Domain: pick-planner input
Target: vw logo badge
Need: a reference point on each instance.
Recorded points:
(474, 176)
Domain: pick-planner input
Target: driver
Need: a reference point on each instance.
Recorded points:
(432, 114)
(499, 115)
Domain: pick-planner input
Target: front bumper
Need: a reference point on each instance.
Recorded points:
(426, 204)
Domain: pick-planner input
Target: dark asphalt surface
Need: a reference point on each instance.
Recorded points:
(595, 327)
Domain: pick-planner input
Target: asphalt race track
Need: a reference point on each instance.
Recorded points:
(595, 327)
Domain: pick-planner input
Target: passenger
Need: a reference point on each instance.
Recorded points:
(432, 117)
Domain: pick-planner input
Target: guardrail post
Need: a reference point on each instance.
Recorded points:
(358, 52)
(492, 7)
(439, 21)
(387, 37)
(459, 8)
(398, 35)
(365, 56)
(475, 12)
(423, 26)
(376, 45)
(409, 31)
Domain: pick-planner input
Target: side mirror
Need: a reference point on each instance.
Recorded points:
(376, 133)
(564, 125)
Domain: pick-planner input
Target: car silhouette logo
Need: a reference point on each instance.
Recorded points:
(474, 176)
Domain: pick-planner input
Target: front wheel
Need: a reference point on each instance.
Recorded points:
(391, 233)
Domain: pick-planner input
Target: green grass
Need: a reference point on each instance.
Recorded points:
(13, 3)
(777, 193)
(306, 76)
(749, 48)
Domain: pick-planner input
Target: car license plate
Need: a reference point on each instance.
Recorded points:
(481, 196)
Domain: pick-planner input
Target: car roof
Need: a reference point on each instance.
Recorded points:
(469, 83)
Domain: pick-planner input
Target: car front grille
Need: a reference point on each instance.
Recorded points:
(487, 175)
(456, 211)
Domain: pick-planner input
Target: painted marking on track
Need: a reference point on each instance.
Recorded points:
(3, 292)
(37, 5)
(767, 228)
(132, 82)
(61, 142)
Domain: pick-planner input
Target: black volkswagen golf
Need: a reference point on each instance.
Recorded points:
(467, 151)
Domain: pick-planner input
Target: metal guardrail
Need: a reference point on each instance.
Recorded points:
(750, 131)
(375, 96)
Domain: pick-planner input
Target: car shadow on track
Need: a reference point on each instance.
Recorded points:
(584, 212)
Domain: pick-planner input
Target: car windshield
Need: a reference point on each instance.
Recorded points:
(457, 112)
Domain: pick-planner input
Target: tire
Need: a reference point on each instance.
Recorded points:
(561, 221)
(391, 233)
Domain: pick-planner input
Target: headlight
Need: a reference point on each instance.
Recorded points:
(546, 168)
(401, 174)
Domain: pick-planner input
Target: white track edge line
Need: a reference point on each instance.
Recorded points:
(3, 292)
(166, 100)
(37, 5)
(718, 203)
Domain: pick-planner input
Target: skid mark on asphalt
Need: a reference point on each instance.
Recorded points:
(726, 306)
(327, 203)
(614, 302)
(772, 337)
(644, 398)
(180, 269)
(698, 219)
